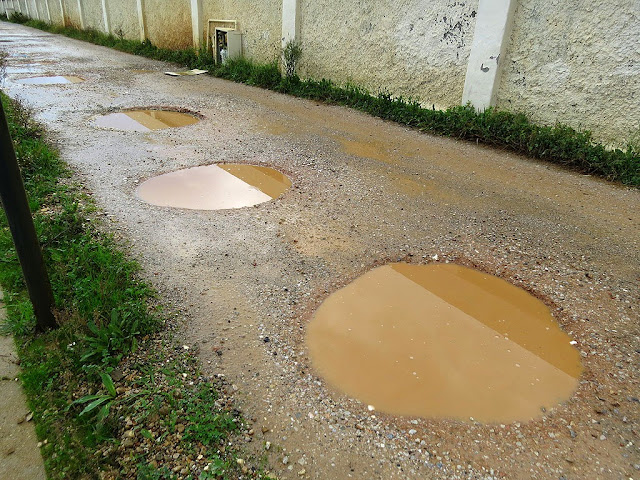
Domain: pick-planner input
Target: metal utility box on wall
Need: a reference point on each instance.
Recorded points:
(227, 43)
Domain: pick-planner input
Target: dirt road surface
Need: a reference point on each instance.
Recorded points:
(365, 192)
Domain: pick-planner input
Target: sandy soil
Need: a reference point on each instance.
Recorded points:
(365, 192)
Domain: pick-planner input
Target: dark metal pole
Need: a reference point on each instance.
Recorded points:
(16, 206)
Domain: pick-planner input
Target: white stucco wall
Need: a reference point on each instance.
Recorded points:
(411, 47)
(169, 23)
(56, 14)
(260, 24)
(72, 13)
(123, 18)
(572, 62)
(93, 15)
(577, 63)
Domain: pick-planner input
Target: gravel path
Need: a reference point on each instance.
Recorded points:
(365, 192)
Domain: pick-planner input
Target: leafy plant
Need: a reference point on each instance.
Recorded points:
(98, 406)
(291, 55)
(109, 342)
(206, 426)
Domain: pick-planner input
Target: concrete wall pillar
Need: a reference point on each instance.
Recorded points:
(81, 14)
(196, 22)
(493, 28)
(141, 20)
(63, 13)
(290, 21)
(105, 17)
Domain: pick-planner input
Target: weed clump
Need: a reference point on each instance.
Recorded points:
(291, 55)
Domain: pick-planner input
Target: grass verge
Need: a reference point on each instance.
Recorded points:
(558, 144)
(112, 395)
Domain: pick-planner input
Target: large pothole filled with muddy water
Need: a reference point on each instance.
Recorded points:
(443, 340)
(145, 120)
(215, 187)
(50, 80)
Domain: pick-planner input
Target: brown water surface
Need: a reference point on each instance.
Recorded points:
(50, 80)
(214, 187)
(145, 120)
(443, 341)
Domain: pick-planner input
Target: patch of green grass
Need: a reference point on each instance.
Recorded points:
(559, 143)
(205, 426)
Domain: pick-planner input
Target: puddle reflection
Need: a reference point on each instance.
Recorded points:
(145, 120)
(214, 187)
(51, 80)
(443, 341)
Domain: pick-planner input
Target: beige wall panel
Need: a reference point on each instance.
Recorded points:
(411, 47)
(32, 9)
(576, 63)
(123, 17)
(260, 24)
(56, 14)
(93, 14)
(72, 13)
(38, 12)
(42, 10)
(169, 23)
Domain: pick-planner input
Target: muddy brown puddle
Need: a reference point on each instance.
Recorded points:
(145, 120)
(50, 80)
(214, 187)
(443, 341)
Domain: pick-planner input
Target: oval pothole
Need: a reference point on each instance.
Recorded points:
(214, 187)
(144, 120)
(50, 80)
(444, 341)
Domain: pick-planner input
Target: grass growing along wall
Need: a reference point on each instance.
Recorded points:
(558, 144)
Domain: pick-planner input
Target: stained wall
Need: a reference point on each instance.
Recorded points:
(577, 63)
(571, 62)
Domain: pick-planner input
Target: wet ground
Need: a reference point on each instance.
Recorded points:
(365, 193)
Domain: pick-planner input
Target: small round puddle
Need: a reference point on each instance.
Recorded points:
(146, 120)
(50, 80)
(443, 341)
(214, 187)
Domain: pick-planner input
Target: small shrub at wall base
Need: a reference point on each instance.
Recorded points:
(559, 143)
(291, 56)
